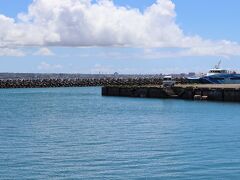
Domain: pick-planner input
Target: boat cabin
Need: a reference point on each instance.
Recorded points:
(167, 78)
(217, 71)
(168, 81)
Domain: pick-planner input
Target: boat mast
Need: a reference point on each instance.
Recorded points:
(218, 65)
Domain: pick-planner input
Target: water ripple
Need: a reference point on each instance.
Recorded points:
(75, 133)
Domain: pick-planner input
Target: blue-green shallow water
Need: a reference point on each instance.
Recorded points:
(75, 133)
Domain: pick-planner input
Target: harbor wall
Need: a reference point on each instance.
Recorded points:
(188, 93)
(44, 83)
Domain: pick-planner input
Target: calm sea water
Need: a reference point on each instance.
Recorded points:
(75, 133)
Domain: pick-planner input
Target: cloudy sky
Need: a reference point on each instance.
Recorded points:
(125, 36)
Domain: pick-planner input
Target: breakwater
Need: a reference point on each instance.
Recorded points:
(44, 83)
(188, 92)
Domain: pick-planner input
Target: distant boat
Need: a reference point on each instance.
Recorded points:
(217, 76)
(168, 81)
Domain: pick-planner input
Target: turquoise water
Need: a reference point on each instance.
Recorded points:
(75, 133)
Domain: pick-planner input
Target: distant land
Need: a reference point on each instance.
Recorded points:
(39, 76)
(34, 80)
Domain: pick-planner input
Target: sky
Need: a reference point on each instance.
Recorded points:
(124, 36)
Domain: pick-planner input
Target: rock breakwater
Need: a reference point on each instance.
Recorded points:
(44, 83)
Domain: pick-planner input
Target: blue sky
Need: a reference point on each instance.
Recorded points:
(211, 20)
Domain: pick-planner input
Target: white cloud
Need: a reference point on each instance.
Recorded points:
(104, 69)
(11, 52)
(100, 69)
(83, 23)
(44, 66)
(44, 52)
(221, 48)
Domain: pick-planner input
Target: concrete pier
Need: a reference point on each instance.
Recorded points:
(230, 93)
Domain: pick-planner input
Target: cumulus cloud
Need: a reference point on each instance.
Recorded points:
(11, 52)
(44, 52)
(82, 23)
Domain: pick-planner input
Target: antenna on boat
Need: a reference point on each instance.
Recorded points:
(218, 65)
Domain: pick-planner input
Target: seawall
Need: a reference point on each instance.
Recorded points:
(230, 93)
(45, 83)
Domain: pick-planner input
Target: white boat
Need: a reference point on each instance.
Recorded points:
(218, 76)
(168, 81)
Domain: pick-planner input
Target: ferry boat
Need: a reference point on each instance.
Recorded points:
(218, 76)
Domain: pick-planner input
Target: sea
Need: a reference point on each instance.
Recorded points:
(75, 133)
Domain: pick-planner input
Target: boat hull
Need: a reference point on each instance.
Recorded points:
(221, 79)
